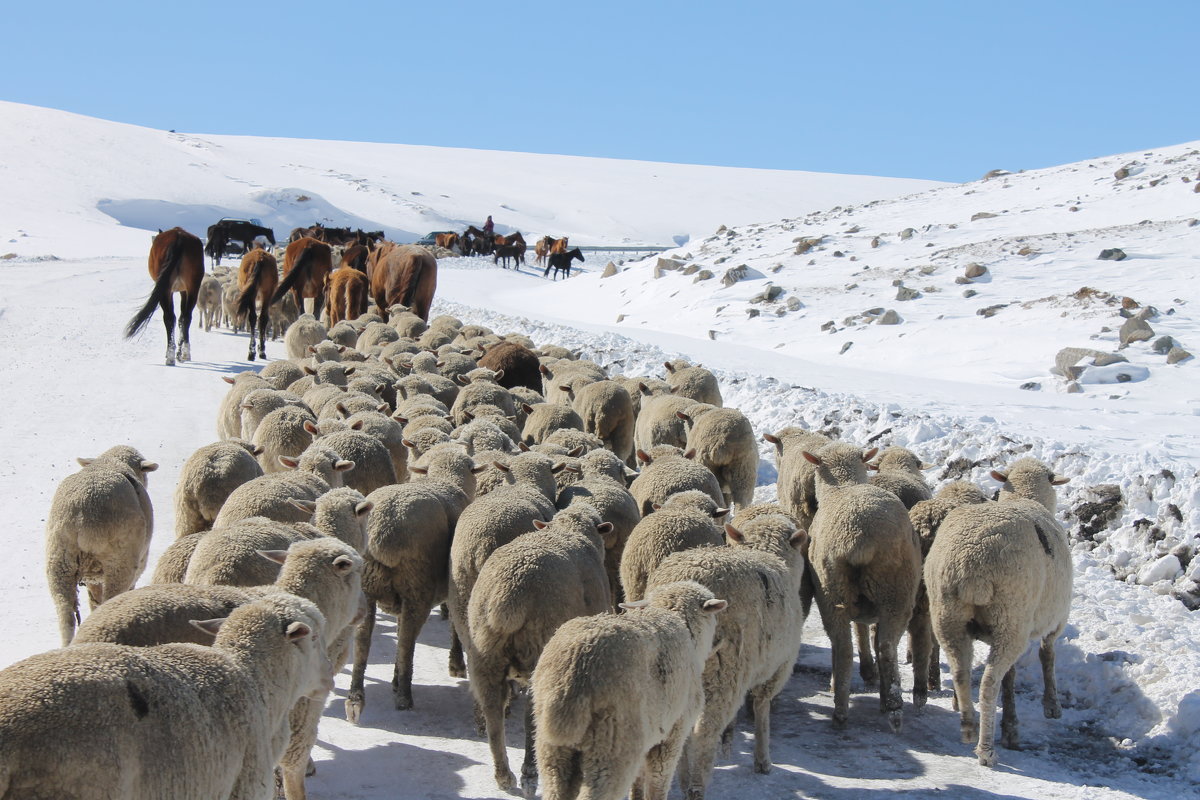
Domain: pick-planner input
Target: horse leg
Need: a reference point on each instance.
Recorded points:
(168, 308)
(187, 304)
(251, 324)
(263, 320)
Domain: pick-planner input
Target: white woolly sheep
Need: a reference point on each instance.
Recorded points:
(866, 564)
(695, 382)
(407, 563)
(390, 434)
(98, 531)
(724, 442)
(343, 333)
(797, 477)
(455, 365)
(318, 397)
(1002, 573)
(606, 411)
(317, 470)
(281, 315)
(756, 641)
(669, 470)
(899, 471)
(615, 696)
(208, 301)
(483, 434)
(478, 393)
(301, 334)
(229, 414)
(686, 520)
(543, 419)
(376, 334)
(526, 590)
(658, 422)
(372, 461)
(260, 402)
(560, 373)
(207, 479)
(177, 720)
(281, 373)
(284, 433)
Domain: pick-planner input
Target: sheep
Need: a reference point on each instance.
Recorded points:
(518, 363)
(172, 565)
(524, 397)
(352, 402)
(614, 696)
(572, 439)
(376, 333)
(284, 433)
(318, 396)
(659, 422)
(561, 372)
(343, 333)
(694, 382)
(208, 300)
(899, 471)
(421, 383)
(797, 481)
(208, 477)
(478, 393)
(326, 351)
(305, 331)
(756, 642)
(1001, 572)
(229, 414)
(556, 352)
(866, 564)
(331, 372)
(544, 418)
(669, 470)
(317, 470)
(446, 322)
(260, 402)
(526, 589)
(407, 324)
(372, 461)
(406, 569)
(388, 432)
(281, 315)
(602, 486)
(686, 520)
(424, 440)
(724, 442)
(606, 411)
(98, 531)
(435, 338)
(176, 720)
(640, 388)
(482, 434)
(232, 318)
(281, 373)
(496, 519)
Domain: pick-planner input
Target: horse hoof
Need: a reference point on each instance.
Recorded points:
(251, 356)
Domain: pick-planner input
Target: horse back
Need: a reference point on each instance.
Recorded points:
(178, 250)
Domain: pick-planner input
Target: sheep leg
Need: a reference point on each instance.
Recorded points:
(608, 772)
(458, 666)
(490, 687)
(935, 666)
(843, 662)
(1006, 649)
(1050, 704)
(660, 764)
(720, 709)
(294, 765)
(959, 654)
(60, 574)
(920, 641)
(409, 622)
(1008, 721)
(888, 633)
(560, 771)
(356, 699)
(762, 696)
(529, 771)
(866, 661)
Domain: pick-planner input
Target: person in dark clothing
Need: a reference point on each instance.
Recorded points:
(489, 226)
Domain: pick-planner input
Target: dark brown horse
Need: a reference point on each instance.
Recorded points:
(176, 265)
(306, 262)
(355, 257)
(481, 244)
(348, 293)
(221, 233)
(257, 278)
(562, 261)
(405, 275)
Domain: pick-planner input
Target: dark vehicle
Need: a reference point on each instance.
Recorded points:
(430, 239)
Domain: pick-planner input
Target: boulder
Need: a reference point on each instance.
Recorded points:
(609, 270)
(734, 275)
(982, 215)
(1112, 254)
(1177, 354)
(975, 270)
(907, 293)
(1162, 345)
(702, 275)
(1135, 330)
(908, 233)
(889, 317)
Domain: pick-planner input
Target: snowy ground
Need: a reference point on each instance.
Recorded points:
(947, 388)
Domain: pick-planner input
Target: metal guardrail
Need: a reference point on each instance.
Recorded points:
(624, 248)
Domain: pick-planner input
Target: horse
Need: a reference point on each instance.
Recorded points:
(558, 245)
(504, 252)
(405, 275)
(355, 257)
(305, 264)
(346, 292)
(257, 277)
(541, 250)
(446, 240)
(562, 261)
(482, 244)
(224, 231)
(176, 265)
(517, 242)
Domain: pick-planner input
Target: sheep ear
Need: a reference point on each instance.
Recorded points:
(343, 564)
(571, 469)
(1058, 480)
(643, 388)
(867, 456)
(463, 379)
(770, 437)
(312, 348)
(227, 379)
(475, 469)
(575, 452)
(289, 462)
(1000, 476)
(656, 506)
(674, 390)
(468, 414)
(500, 465)
(388, 360)
(150, 466)
(644, 457)
(499, 374)
(734, 534)
(683, 416)
(407, 443)
(604, 528)
(399, 417)
(382, 408)
(83, 462)
(246, 404)
(668, 366)
(309, 370)
(209, 626)
(713, 606)
(364, 507)
(523, 447)
(542, 368)
(539, 525)
(809, 457)
(871, 465)
(719, 512)
(419, 470)
(341, 348)
(278, 556)
(439, 363)
(630, 473)
(311, 427)
(566, 389)
(348, 370)
(341, 408)
(357, 425)
(560, 466)
(297, 631)
(257, 450)
(633, 605)
(528, 409)
(307, 506)
(342, 465)
(690, 454)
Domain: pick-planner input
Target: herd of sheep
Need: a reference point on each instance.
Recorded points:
(568, 521)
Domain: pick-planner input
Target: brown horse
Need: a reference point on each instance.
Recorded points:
(347, 293)
(176, 265)
(257, 278)
(306, 262)
(558, 245)
(517, 242)
(406, 275)
(541, 249)
(355, 257)
(446, 240)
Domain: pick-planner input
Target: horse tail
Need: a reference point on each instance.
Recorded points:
(171, 263)
(410, 286)
(299, 271)
(245, 301)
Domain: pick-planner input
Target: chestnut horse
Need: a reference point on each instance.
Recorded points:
(306, 262)
(542, 249)
(446, 240)
(347, 293)
(257, 278)
(176, 265)
(355, 256)
(405, 275)
(558, 246)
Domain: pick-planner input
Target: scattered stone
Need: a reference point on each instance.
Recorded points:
(907, 293)
(609, 270)
(854, 258)
(806, 243)
(1027, 251)
(1162, 345)
(712, 334)
(1073, 208)
(1074, 388)
(8, 257)
(794, 304)
(845, 347)
(668, 264)
(975, 270)
(969, 293)
(875, 242)
(722, 229)
(1099, 511)
(1129, 303)
(907, 233)
(776, 267)
(768, 294)
(620, 317)
(753, 312)
(1105, 359)
(1135, 330)
(780, 311)
(851, 287)
(829, 326)
(690, 269)
(889, 317)
(898, 282)
(1122, 173)
(995, 173)
(960, 280)
(1124, 377)
(838, 254)
(1032, 386)
(1148, 312)
(1177, 354)
(734, 275)
(702, 275)
(990, 311)
(982, 215)
(1112, 254)
(928, 269)
(853, 229)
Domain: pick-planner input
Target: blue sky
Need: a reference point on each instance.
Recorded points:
(938, 90)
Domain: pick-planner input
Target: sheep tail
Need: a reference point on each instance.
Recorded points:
(298, 274)
(245, 302)
(566, 708)
(162, 288)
